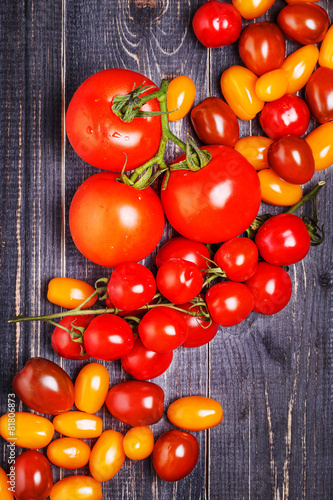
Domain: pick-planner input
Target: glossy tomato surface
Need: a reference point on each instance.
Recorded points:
(91, 387)
(138, 443)
(200, 331)
(326, 50)
(183, 248)
(26, 430)
(61, 339)
(143, 363)
(229, 302)
(78, 424)
(5, 493)
(299, 66)
(33, 476)
(318, 94)
(238, 258)
(305, 23)
(179, 280)
(320, 141)
(254, 148)
(277, 191)
(69, 453)
(272, 85)
(77, 488)
(251, 9)
(70, 293)
(195, 413)
(107, 456)
(162, 329)
(180, 97)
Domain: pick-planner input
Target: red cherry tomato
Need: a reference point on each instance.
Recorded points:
(62, 342)
(77, 488)
(162, 329)
(179, 280)
(238, 258)
(33, 476)
(144, 364)
(303, 23)
(229, 302)
(318, 94)
(200, 331)
(183, 248)
(217, 24)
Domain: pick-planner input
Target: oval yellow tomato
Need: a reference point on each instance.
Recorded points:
(70, 293)
(77, 488)
(254, 148)
(78, 424)
(320, 141)
(180, 97)
(195, 413)
(91, 387)
(326, 50)
(299, 67)
(107, 455)
(272, 85)
(138, 443)
(276, 191)
(69, 453)
(27, 430)
(5, 494)
(249, 9)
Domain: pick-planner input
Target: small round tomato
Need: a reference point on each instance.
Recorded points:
(144, 364)
(183, 248)
(277, 191)
(5, 493)
(251, 9)
(78, 424)
(26, 430)
(33, 476)
(138, 443)
(217, 24)
(320, 141)
(272, 85)
(229, 302)
(299, 67)
(91, 387)
(200, 331)
(180, 97)
(107, 456)
(195, 413)
(238, 258)
(254, 148)
(77, 488)
(68, 453)
(62, 342)
(175, 455)
(303, 23)
(215, 122)
(318, 94)
(70, 293)
(326, 50)
(179, 280)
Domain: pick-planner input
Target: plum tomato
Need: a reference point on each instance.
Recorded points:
(112, 223)
(318, 94)
(44, 387)
(303, 23)
(62, 342)
(283, 240)
(101, 138)
(91, 387)
(77, 488)
(200, 331)
(326, 50)
(254, 148)
(183, 248)
(238, 258)
(215, 122)
(299, 66)
(195, 413)
(5, 493)
(70, 293)
(78, 424)
(277, 191)
(180, 97)
(229, 302)
(272, 85)
(179, 280)
(68, 453)
(33, 476)
(107, 456)
(144, 364)
(26, 430)
(271, 288)
(215, 203)
(136, 402)
(320, 141)
(175, 455)
(138, 443)
(217, 24)
(162, 329)
(251, 9)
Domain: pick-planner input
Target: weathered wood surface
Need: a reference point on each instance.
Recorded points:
(273, 375)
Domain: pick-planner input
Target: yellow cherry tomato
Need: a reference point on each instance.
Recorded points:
(238, 87)
(299, 67)
(70, 293)
(78, 424)
(195, 413)
(138, 443)
(180, 97)
(91, 387)
(326, 50)
(77, 488)
(5, 494)
(320, 141)
(276, 191)
(249, 9)
(107, 455)
(69, 453)
(254, 148)
(26, 430)
(272, 85)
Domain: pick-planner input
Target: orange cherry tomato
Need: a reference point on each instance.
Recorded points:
(69, 453)
(299, 67)
(254, 148)
(77, 488)
(238, 87)
(138, 443)
(107, 456)
(5, 494)
(91, 387)
(276, 191)
(320, 141)
(78, 424)
(301, 1)
(326, 50)
(272, 85)
(195, 413)
(70, 293)
(249, 9)
(26, 430)
(180, 97)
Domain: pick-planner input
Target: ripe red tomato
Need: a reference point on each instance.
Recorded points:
(229, 302)
(183, 248)
(303, 23)
(217, 24)
(162, 329)
(99, 136)
(238, 258)
(61, 340)
(215, 203)
(33, 476)
(318, 94)
(144, 364)
(112, 223)
(200, 331)
(179, 280)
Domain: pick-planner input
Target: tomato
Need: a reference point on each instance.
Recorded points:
(238, 87)
(262, 47)
(138, 443)
(238, 258)
(326, 50)
(26, 430)
(77, 488)
(195, 413)
(292, 159)
(254, 148)
(131, 286)
(107, 456)
(303, 23)
(68, 453)
(61, 340)
(70, 293)
(112, 223)
(33, 476)
(180, 97)
(320, 141)
(78, 424)
(271, 288)
(136, 402)
(183, 248)
(144, 364)
(175, 455)
(287, 115)
(318, 94)
(229, 302)
(5, 483)
(108, 337)
(215, 122)
(44, 386)
(179, 280)
(250, 9)
(217, 24)
(277, 191)
(200, 331)
(301, 1)
(299, 67)
(162, 329)
(215, 203)
(272, 85)
(91, 387)
(100, 137)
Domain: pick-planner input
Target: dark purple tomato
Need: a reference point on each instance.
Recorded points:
(33, 476)
(319, 94)
(305, 23)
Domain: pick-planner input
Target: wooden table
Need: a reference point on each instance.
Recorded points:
(273, 375)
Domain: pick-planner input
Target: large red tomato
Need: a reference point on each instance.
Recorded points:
(215, 203)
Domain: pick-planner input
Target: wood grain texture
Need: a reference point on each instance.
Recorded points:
(273, 375)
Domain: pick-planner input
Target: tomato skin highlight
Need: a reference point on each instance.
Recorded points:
(77, 488)
(272, 85)
(326, 50)
(30, 430)
(91, 387)
(299, 67)
(238, 258)
(78, 424)
(318, 94)
(144, 364)
(33, 476)
(180, 97)
(195, 413)
(5, 493)
(183, 248)
(305, 24)
(138, 443)
(277, 191)
(61, 340)
(251, 9)
(229, 302)
(254, 148)
(320, 141)
(179, 280)
(69, 453)
(107, 456)
(70, 293)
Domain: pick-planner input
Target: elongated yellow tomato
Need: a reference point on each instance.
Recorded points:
(238, 87)
(91, 387)
(107, 456)
(326, 50)
(70, 293)
(299, 67)
(249, 9)
(272, 85)
(78, 424)
(69, 453)
(276, 191)
(5, 494)
(180, 97)
(26, 430)
(195, 413)
(77, 488)
(320, 141)
(254, 148)
(138, 443)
